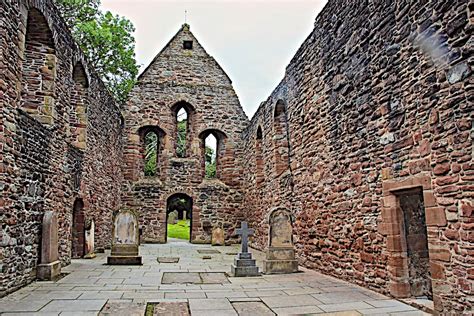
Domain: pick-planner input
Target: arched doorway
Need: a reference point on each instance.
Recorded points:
(78, 229)
(179, 212)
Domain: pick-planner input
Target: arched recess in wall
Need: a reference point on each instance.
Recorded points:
(78, 229)
(280, 138)
(213, 143)
(183, 113)
(39, 69)
(151, 138)
(259, 175)
(78, 115)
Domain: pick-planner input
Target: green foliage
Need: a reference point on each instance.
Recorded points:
(210, 163)
(181, 142)
(151, 145)
(107, 42)
(211, 170)
(180, 230)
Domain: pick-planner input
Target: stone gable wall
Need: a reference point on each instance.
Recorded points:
(192, 76)
(379, 97)
(38, 162)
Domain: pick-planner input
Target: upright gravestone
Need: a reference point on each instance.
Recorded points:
(173, 218)
(50, 267)
(244, 265)
(90, 235)
(217, 237)
(125, 239)
(281, 253)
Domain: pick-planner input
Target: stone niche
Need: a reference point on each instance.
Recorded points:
(125, 239)
(50, 266)
(281, 253)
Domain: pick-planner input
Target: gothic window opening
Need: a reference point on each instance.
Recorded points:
(259, 156)
(39, 69)
(182, 127)
(280, 138)
(211, 156)
(151, 153)
(78, 116)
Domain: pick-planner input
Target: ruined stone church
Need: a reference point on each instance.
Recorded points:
(367, 141)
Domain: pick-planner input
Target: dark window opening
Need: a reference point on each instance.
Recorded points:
(187, 44)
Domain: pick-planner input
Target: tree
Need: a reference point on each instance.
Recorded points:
(106, 41)
(181, 148)
(210, 163)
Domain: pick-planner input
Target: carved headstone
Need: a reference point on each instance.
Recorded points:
(280, 253)
(125, 239)
(217, 237)
(244, 265)
(90, 235)
(173, 218)
(50, 267)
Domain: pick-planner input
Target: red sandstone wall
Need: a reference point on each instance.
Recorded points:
(38, 162)
(194, 77)
(380, 92)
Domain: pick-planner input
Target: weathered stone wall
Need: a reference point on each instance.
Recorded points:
(192, 79)
(378, 98)
(45, 163)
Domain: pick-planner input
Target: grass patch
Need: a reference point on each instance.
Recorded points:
(179, 230)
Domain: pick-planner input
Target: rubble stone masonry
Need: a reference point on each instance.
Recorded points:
(367, 141)
(379, 98)
(186, 78)
(60, 133)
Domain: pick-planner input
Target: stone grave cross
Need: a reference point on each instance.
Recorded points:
(244, 231)
(244, 265)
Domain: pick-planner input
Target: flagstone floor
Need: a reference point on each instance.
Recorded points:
(91, 284)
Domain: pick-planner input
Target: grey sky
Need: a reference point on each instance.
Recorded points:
(252, 40)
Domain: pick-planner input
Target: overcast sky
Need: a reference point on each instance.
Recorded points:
(253, 40)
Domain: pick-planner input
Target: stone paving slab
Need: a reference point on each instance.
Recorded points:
(22, 306)
(252, 309)
(297, 310)
(119, 308)
(290, 301)
(90, 285)
(74, 305)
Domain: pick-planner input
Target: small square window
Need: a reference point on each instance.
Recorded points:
(187, 44)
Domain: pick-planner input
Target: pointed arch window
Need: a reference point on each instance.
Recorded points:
(213, 149)
(183, 113)
(151, 137)
(280, 138)
(39, 69)
(182, 127)
(78, 116)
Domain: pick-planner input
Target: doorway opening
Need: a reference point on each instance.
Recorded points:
(416, 237)
(179, 214)
(78, 229)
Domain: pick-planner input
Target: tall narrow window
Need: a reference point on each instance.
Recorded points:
(280, 138)
(182, 127)
(78, 116)
(210, 145)
(39, 69)
(183, 114)
(259, 156)
(151, 153)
